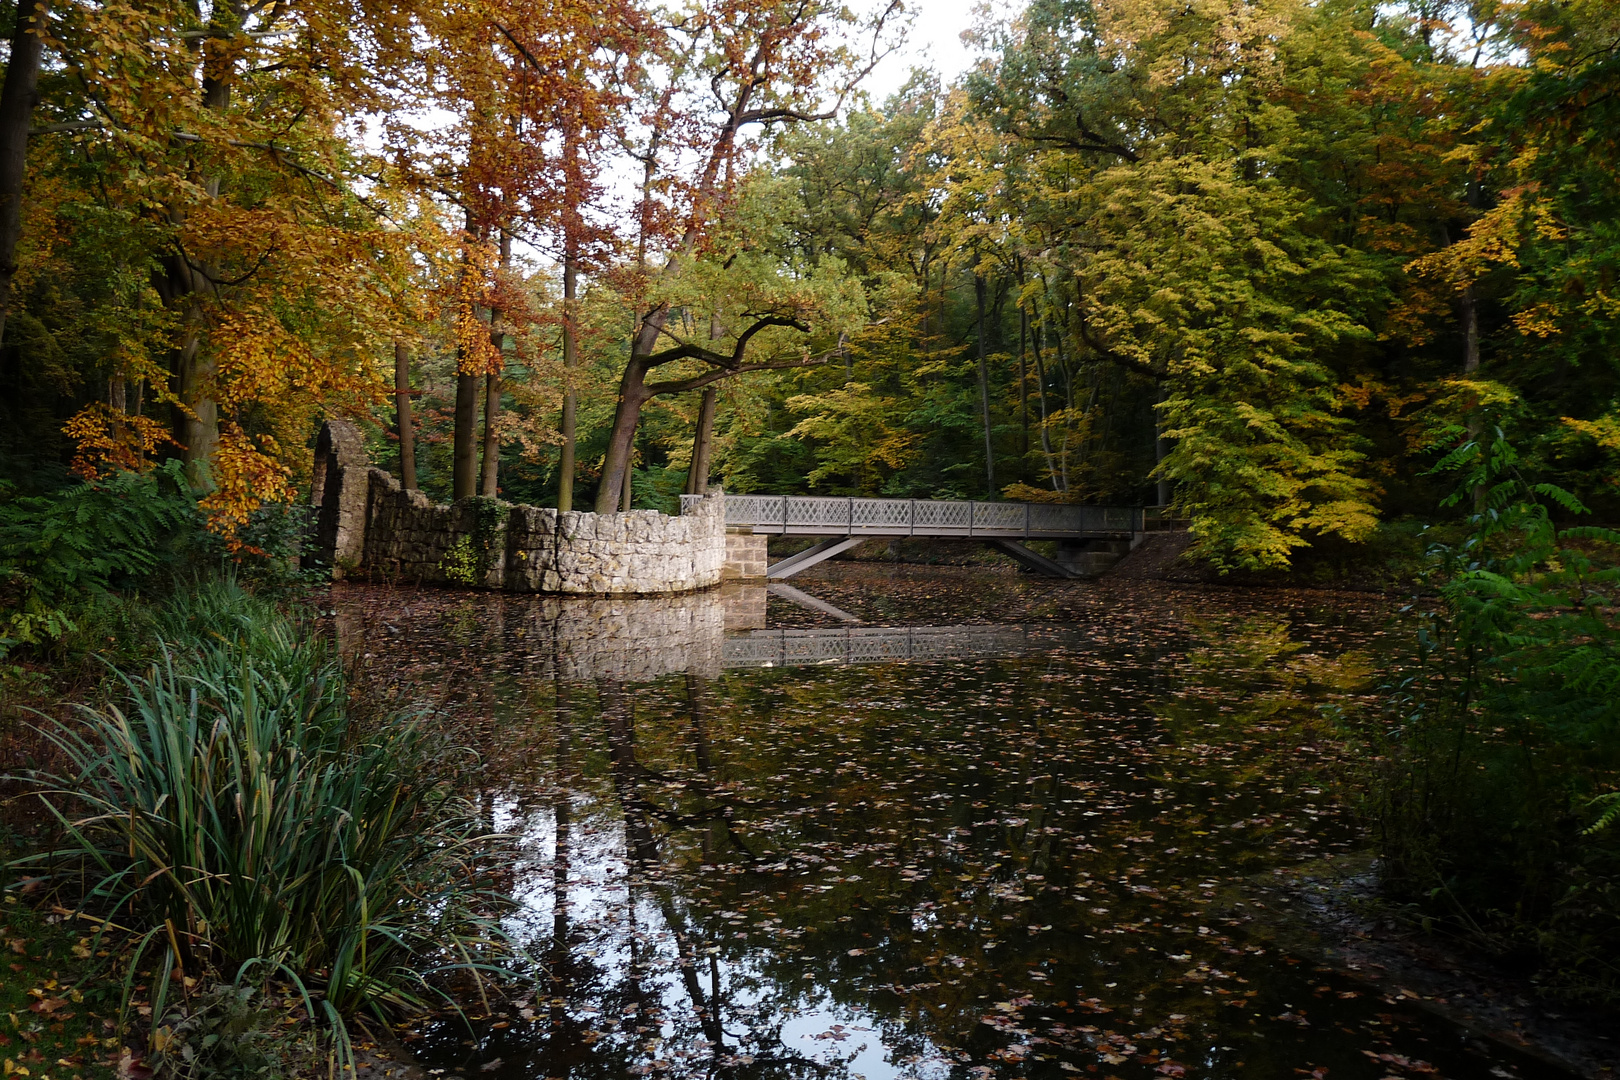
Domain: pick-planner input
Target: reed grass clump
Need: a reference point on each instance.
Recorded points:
(232, 811)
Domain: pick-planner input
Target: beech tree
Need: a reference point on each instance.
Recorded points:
(219, 144)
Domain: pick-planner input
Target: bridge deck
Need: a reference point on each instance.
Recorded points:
(807, 515)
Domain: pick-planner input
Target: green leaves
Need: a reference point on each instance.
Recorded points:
(88, 538)
(1506, 726)
(1210, 283)
(234, 798)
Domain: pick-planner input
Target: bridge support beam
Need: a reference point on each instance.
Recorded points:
(810, 556)
(1034, 560)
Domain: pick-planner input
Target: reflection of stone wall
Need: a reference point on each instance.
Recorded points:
(632, 639)
(427, 636)
(368, 523)
(744, 603)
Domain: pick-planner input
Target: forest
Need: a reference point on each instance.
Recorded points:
(1254, 260)
(1331, 288)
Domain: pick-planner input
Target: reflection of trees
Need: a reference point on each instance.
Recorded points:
(561, 953)
(877, 826)
(842, 796)
(630, 778)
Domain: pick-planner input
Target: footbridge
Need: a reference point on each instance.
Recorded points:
(1089, 538)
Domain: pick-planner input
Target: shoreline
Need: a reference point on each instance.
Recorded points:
(1329, 912)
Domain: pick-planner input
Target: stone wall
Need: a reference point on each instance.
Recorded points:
(745, 553)
(369, 526)
(338, 490)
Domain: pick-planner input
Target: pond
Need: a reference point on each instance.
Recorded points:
(991, 830)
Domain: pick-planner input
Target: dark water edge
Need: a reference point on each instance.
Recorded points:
(984, 832)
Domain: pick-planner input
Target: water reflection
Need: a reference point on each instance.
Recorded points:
(964, 852)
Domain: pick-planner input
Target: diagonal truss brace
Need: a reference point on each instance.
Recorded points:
(1032, 559)
(810, 556)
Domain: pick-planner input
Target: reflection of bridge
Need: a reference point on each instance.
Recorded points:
(1090, 538)
(877, 644)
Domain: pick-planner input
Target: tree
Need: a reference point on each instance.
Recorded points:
(761, 61)
(18, 97)
(219, 144)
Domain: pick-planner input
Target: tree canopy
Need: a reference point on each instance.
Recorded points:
(1250, 258)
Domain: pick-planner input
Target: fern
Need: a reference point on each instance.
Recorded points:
(55, 549)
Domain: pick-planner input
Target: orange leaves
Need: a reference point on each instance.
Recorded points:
(261, 362)
(109, 441)
(476, 287)
(246, 476)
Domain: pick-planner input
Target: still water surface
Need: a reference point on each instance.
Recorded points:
(762, 842)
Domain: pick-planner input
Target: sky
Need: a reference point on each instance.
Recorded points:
(935, 42)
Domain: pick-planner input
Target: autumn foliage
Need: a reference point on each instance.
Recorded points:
(1233, 257)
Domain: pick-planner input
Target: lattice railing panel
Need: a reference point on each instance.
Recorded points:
(936, 517)
(755, 509)
(827, 516)
(1004, 518)
(810, 511)
(881, 515)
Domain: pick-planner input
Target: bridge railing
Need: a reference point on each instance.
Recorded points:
(812, 515)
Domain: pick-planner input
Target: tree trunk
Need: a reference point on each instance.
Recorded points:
(1469, 310)
(984, 390)
(1040, 386)
(1068, 405)
(1023, 383)
(405, 428)
(464, 454)
(1161, 445)
(198, 425)
(625, 418)
(697, 477)
(632, 396)
(17, 100)
(182, 286)
(565, 466)
(490, 478)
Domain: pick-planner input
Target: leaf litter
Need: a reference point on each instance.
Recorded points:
(1012, 866)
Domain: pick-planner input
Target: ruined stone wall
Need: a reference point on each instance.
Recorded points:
(370, 525)
(494, 545)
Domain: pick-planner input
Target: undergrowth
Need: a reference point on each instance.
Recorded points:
(235, 816)
(1502, 747)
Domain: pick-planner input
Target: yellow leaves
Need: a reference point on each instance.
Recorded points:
(1605, 430)
(475, 287)
(109, 441)
(246, 476)
(1022, 492)
(1362, 393)
(1175, 42)
(1491, 241)
(1541, 320)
